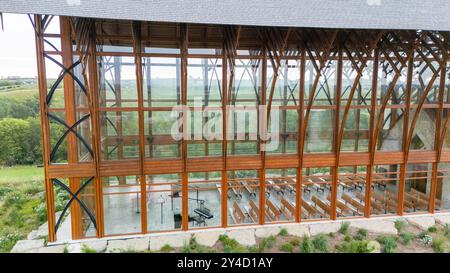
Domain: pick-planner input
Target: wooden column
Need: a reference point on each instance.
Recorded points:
(45, 129)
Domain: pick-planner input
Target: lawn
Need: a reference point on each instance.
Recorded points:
(20, 174)
(22, 203)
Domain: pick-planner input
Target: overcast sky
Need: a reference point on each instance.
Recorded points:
(17, 47)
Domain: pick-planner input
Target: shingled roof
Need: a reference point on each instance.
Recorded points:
(364, 14)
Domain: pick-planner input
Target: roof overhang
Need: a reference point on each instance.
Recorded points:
(361, 14)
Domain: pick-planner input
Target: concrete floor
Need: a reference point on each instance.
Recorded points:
(122, 213)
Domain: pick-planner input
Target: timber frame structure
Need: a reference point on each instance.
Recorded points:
(377, 72)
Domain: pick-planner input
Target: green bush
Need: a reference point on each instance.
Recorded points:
(446, 230)
(432, 229)
(438, 244)
(406, 238)
(361, 234)
(389, 243)
(287, 247)
(266, 243)
(306, 246)
(283, 232)
(193, 247)
(231, 245)
(344, 227)
(354, 246)
(321, 243)
(8, 240)
(166, 248)
(86, 249)
(400, 225)
(295, 242)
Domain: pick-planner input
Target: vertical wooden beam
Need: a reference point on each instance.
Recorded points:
(435, 167)
(373, 112)
(335, 169)
(140, 90)
(42, 82)
(224, 191)
(403, 167)
(184, 175)
(70, 115)
(262, 172)
(96, 139)
(298, 199)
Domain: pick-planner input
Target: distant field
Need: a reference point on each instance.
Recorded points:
(20, 174)
(23, 91)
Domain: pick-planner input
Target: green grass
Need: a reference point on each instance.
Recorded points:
(22, 204)
(20, 174)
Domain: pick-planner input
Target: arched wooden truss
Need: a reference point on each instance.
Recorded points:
(365, 51)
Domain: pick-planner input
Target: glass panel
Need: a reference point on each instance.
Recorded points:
(351, 191)
(385, 182)
(316, 193)
(243, 197)
(442, 201)
(159, 140)
(205, 199)
(117, 81)
(119, 135)
(319, 135)
(87, 196)
(417, 187)
(242, 128)
(204, 92)
(121, 204)
(164, 205)
(162, 82)
(281, 185)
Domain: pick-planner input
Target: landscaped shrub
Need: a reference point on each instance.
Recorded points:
(231, 245)
(283, 232)
(295, 242)
(8, 240)
(361, 234)
(354, 246)
(400, 225)
(426, 239)
(321, 243)
(432, 229)
(193, 247)
(389, 243)
(344, 227)
(406, 238)
(306, 245)
(86, 249)
(166, 248)
(446, 230)
(266, 243)
(287, 247)
(438, 244)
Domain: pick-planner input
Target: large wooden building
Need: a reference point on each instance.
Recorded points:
(360, 90)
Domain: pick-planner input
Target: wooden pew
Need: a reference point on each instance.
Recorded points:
(359, 207)
(416, 202)
(374, 205)
(253, 212)
(250, 190)
(272, 185)
(325, 207)
(387, 203)
(272, 212)
(236, 213)
(344, 209)
(312, 211)
(288, 209)
(423, 196)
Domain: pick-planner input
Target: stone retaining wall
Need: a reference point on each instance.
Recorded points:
(246, 236)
